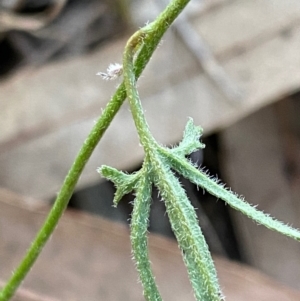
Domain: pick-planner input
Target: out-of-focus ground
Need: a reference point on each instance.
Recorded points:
(89, 258)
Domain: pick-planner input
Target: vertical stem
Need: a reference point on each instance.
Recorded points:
(138, 236)
(142, 38)
(137, 112)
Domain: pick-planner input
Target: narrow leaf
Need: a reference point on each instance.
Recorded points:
(199, 177)
(139, 225)
(197, 258)
(190, 141)
(124, 183)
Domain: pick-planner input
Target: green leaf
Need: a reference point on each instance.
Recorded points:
(197, 258)
(124, 183)
(191, 140)
(139, 225)
(219, 190)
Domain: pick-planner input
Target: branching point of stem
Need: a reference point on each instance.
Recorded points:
(151, 41)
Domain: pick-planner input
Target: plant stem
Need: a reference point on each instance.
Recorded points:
(139, 242)
(183, 219)
(137, 112)
(150, 43)
(64, 195)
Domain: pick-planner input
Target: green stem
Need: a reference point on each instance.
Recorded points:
(138, 236)
(182, 216)
(183, 219)
(151, 41)
(64, 195)
(137, 112)
(212, 186)
(142, 38)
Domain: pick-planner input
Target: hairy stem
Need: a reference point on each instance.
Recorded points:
(150, 42)
(182, 216)
(139, 243)
(197, 258)
(133, 45)
(64, 195)
(212, 186)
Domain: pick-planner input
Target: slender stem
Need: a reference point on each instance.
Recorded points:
(151, 41)
(183, 219)
(137, 112)
(142, 38)
(139, 242)
(182, 216)
(64, 195)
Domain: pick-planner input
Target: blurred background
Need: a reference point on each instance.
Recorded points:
(231, 65)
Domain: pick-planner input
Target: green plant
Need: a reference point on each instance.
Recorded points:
(157, 169)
